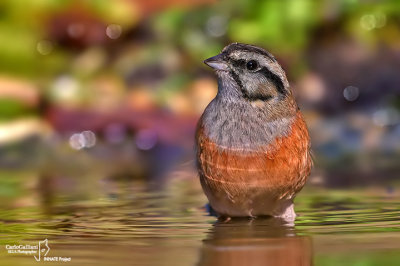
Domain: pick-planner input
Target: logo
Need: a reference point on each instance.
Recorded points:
(40, 251)
(43, 249)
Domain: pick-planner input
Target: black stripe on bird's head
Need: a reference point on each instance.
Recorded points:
(255, 71)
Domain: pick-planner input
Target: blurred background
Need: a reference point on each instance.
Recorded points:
(98, 95)
(98, 106)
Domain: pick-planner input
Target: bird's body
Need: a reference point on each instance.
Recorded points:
(253, 148)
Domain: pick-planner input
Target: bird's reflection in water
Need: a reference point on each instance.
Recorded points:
(267, 241)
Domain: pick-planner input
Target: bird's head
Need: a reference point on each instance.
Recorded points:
(251, 73)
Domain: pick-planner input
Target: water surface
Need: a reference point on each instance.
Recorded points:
(136, 225)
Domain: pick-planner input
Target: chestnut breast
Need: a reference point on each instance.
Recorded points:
(280, 168)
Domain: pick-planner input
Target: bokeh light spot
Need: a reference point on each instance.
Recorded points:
(85, 139)
(216, 26)
(146, 139)
(386, 117)
(113, 31)
(380, 20)
(368, 22)
(89, 138)
(65, 87)
(373, 21)
(44, 47)
(76, 141)
(76, 30)
(351, 93)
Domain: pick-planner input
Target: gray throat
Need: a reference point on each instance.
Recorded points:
(233, 122)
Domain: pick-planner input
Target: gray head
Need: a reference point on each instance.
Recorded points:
(252, 74)
(254, 104)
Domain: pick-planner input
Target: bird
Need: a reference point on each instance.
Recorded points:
(253, 150)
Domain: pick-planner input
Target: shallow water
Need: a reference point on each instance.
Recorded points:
(135, 225)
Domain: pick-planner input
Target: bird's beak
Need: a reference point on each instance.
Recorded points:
(217, 62)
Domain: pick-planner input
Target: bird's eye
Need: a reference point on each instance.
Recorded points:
(252, 64)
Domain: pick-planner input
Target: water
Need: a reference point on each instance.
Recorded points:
(135, 224)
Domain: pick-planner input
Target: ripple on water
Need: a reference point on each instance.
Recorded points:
(330, 226)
